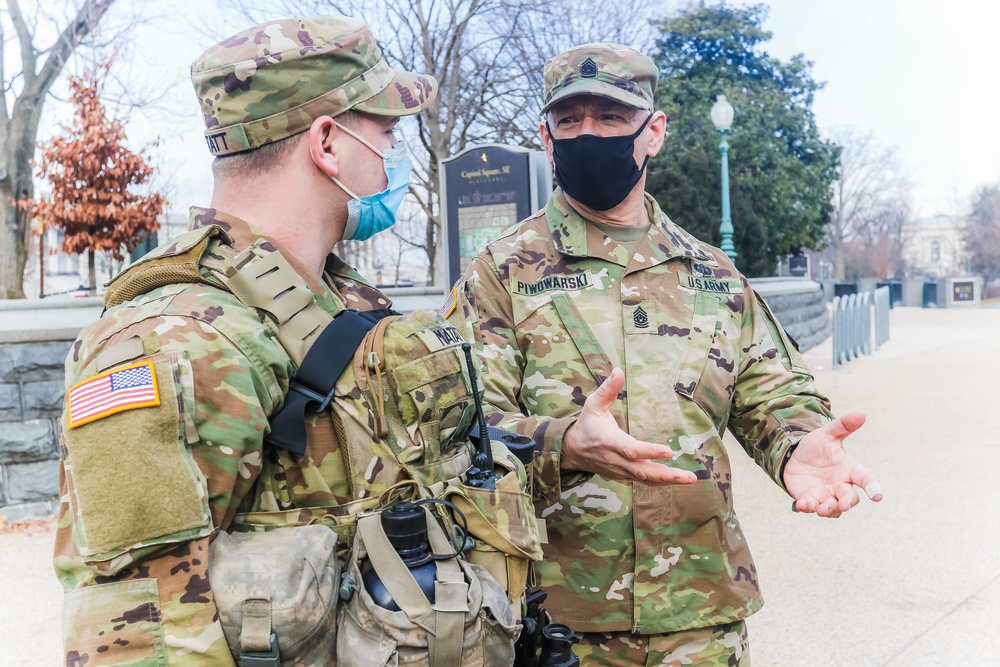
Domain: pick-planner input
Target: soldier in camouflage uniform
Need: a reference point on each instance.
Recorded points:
(300, 113)
(619, 341)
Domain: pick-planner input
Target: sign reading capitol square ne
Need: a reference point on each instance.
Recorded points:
(484, 190)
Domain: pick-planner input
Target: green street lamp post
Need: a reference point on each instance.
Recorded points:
(722, 118)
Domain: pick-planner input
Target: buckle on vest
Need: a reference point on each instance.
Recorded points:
(313, 395)
(270, 658)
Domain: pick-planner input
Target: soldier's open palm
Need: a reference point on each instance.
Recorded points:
(821, 475)
(595, 443)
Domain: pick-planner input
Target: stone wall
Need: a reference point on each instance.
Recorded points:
(35, 338)
(31, 396)
(800, 307)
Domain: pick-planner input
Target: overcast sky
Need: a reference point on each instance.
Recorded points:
(920, 74)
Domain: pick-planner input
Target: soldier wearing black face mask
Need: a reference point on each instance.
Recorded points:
(655, 571)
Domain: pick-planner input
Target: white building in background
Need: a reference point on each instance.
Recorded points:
(934, 247)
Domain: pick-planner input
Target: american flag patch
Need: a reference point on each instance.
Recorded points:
(106, 394)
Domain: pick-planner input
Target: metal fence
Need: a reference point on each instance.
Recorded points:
(882, 301)
(852, 324)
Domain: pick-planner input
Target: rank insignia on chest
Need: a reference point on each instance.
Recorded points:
(103, 395)
(709, 283)
(641, 318)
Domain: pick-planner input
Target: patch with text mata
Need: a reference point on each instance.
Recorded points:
(709, 283)
(438, 338)
(576, 281)
(103, 395)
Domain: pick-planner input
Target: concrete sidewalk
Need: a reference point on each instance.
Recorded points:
(911, 582)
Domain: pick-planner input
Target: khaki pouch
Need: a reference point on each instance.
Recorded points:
(502, 521)
(283, 582)
(470, 623)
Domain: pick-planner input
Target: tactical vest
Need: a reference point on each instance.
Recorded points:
(414, 377)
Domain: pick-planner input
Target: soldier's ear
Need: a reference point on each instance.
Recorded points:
(658, 127)
(543, 131)
(322, 147)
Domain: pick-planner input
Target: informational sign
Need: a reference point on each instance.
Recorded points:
(798, 266)
(484, 190)
(964, 290)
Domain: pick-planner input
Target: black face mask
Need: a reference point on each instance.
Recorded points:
(598, 172)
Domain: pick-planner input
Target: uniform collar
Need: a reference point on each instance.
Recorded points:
(243, 235)
(665, 241)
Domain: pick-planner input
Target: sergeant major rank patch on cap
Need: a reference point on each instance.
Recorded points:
(103, 395)
(588, 68)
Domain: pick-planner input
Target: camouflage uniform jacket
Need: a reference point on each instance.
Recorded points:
(143, 491)
(554, 304)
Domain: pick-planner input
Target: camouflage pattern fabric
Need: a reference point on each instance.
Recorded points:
(298, 571)
(328, 64)
(613, 71)
(718, 646)
(149, 601)
(700, 353)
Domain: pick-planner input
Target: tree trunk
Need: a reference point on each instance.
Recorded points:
(91, 273)
(13, 248)
(431, 249)
(19, 129)
(838, 261)
(14, 223)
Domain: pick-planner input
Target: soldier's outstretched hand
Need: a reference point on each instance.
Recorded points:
(595, 443)
(821, 475)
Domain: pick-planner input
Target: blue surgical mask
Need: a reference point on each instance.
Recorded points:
(371, 214)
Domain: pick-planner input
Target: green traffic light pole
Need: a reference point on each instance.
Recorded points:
(722, 118)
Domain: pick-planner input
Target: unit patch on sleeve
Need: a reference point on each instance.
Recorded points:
(126, 388)
(449, 305)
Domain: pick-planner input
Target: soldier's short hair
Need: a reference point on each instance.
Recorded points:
(270, 156)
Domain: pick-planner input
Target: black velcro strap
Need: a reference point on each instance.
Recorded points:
(312, 385)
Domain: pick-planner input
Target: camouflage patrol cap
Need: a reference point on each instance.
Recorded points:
(271, 81)
(613, 71)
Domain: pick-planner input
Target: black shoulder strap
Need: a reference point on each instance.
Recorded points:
(312, 385)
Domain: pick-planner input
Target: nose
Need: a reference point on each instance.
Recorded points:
(588, 125)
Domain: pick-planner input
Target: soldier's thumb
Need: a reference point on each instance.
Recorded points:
(606, 395)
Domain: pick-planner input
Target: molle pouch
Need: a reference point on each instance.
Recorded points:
(277, 594)
(501, 521)
(469, 623)
(412, 375)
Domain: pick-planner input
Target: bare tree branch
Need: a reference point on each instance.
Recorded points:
(85, 21)
(870, 205)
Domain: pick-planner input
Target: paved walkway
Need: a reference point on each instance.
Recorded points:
(911, 582)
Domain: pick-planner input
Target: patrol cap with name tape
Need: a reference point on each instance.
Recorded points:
(273, 80)
(613, 71)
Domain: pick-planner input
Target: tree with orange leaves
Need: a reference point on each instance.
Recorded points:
(93, 176)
